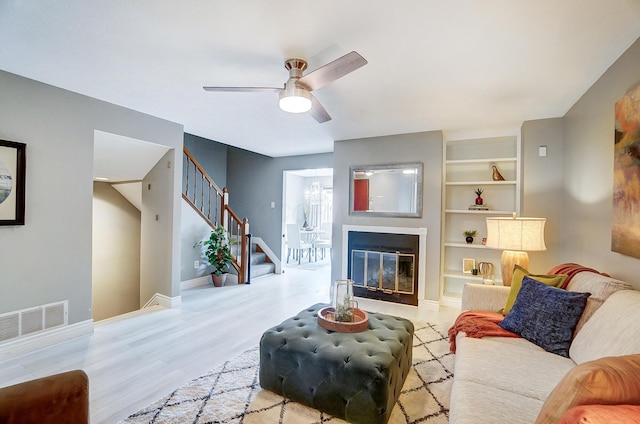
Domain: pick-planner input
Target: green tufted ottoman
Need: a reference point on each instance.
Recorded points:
(354, 376)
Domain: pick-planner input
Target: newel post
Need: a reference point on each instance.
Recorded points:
(245, 249)
(224, 215)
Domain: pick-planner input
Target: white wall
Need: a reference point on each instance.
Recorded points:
(294, 198)
(49, 258)
(115, 254)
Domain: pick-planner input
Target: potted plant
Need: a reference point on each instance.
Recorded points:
(469, 235)
(219, 255)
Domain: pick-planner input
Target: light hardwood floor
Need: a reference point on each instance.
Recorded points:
(135, 359)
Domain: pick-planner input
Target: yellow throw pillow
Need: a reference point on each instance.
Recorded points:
(613, 380)
(519, 273)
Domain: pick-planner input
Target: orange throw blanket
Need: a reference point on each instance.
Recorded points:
(571, 269)
(478, 324)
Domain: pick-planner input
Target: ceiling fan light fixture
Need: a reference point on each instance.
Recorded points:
(296, 96)
(295, 100)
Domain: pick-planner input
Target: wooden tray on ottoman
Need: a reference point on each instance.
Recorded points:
(326, 320)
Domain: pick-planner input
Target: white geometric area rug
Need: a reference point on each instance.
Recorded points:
(231, 393)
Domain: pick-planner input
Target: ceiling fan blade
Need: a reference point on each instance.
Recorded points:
(242, 89)
(318, 112)
(332, 71)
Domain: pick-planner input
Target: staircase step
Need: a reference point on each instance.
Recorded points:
(258, 257)
(261, 269)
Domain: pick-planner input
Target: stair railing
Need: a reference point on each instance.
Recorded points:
(212, 204)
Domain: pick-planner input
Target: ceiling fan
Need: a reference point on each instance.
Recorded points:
(296, 95)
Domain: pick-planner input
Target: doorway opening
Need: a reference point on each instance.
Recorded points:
(307, 218)
(120, 165)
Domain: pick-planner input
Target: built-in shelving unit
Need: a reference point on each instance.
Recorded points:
(468, 159)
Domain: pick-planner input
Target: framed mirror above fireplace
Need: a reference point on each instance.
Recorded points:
(393, 190)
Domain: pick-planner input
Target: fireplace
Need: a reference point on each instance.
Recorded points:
(384, 265)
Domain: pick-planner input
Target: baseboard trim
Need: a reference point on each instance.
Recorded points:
(162, 300)
(451, 302)
(428, 305)
(17, 347)
(205, 280)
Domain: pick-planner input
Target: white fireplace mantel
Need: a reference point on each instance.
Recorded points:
(422, 245)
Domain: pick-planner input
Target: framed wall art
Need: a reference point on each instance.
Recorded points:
(468, 265)
(13, 163)
(625, 231)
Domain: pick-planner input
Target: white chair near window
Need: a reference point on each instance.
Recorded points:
(324, 240)
(295, 245)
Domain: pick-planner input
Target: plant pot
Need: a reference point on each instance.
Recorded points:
(219, 280)
(469, 239)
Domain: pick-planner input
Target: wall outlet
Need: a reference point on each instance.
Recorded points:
(196, 264)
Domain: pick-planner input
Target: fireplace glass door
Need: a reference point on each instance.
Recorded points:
(383, 271)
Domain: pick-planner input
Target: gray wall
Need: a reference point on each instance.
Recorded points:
(254, 181)
(425, 147)
(193, 230)
(49, 258)
(116, 253)
(211, 155)
(588, 171)
(542, 179)
(160, 231)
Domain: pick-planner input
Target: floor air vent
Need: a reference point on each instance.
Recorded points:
(32, 320)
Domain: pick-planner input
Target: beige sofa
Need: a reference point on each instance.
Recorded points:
(508, 380)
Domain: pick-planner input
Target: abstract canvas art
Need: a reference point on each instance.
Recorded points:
(625, 228)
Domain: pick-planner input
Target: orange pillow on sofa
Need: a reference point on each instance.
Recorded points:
(602, 414)
(613, 380)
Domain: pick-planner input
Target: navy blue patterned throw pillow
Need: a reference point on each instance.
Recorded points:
(545, 315)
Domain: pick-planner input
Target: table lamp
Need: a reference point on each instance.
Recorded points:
(515, 236)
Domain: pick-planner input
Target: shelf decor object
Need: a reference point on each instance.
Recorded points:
(469, 235)
(485, 269)
(496, 175)
(468, 265)
(515, 236)
(479, 199)
(343, 315)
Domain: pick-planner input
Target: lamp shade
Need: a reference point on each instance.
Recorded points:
(519, 234)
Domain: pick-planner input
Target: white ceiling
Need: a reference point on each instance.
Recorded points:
(433, 64)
